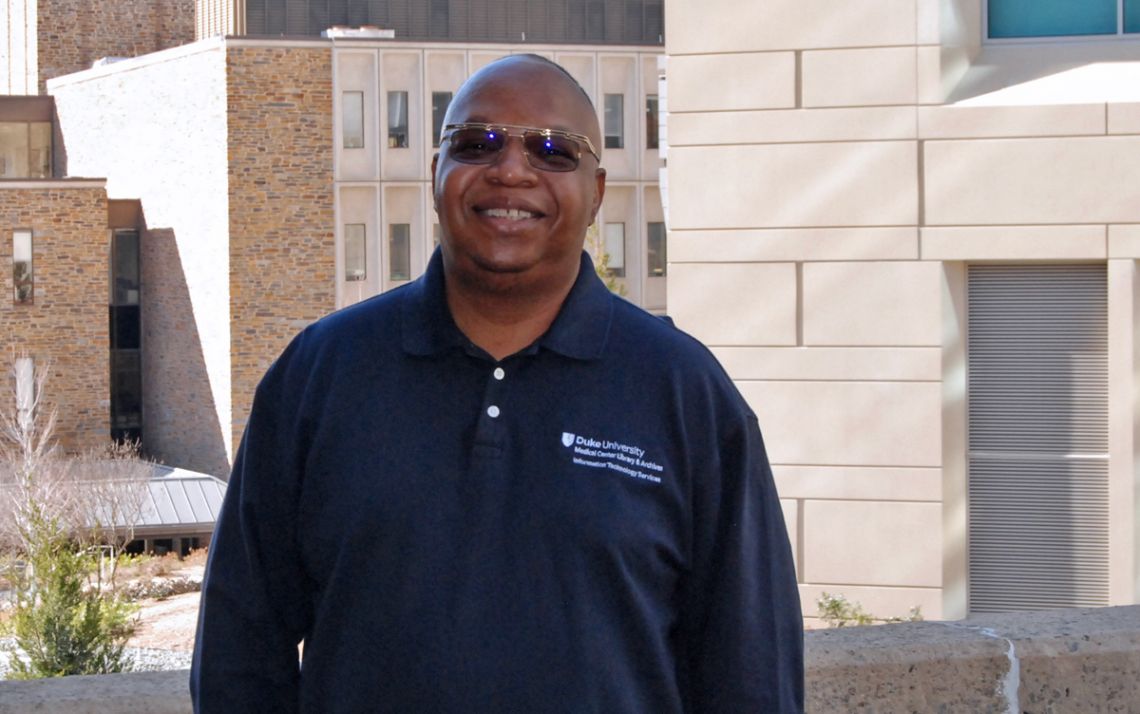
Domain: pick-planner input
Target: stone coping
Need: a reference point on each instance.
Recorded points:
(1050, 661)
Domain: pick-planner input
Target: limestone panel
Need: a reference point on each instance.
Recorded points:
(904, 548)
(791, 125)
(730, 26)
(735, 304)
(928, 71)
(1124, 118)
(794, 244)
(1014, 243)
(793, 185)
(873, 303)
(64, 329)
(843, 363)
(849, 423)
(1124, 242)
(859, 483)
(880, 602)
(759, 80)
(965, 122)
(1033, 181)
(859, 77)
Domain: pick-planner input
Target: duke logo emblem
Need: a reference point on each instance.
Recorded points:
(567, 438)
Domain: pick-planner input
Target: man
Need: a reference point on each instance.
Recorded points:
(501, 488)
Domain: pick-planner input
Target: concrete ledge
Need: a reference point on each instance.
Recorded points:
(1060, 660)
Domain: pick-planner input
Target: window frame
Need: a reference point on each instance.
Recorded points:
(1119, 36)
(30, 277)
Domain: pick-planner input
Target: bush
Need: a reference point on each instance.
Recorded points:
(838, 611)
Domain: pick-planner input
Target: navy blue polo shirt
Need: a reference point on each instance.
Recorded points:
(589, 525)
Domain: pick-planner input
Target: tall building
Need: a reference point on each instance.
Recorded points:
(908, 228)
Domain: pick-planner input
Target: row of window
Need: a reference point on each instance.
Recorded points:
(400, 252)
(352, 119)
(1061, 18)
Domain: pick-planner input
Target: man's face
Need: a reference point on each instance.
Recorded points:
(507, 224)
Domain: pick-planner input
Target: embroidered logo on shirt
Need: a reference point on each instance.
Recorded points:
(626, 459)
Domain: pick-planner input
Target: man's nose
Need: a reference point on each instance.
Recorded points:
(511, 164)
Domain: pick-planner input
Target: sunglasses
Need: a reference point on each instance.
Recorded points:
(545, 149)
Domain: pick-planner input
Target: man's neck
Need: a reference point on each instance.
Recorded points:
(502, 322)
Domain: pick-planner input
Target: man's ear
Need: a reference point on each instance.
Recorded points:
(434, 162)
(599, 192)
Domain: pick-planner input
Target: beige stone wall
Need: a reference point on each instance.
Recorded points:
(66, 327)
(71, 34)
(846, 165)
(281, 221)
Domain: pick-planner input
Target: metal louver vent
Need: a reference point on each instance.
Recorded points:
(1037, 356)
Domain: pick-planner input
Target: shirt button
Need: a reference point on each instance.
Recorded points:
(499, 373)
(493, 411)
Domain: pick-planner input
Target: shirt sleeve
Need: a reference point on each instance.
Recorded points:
(254, 608)
(742, 627)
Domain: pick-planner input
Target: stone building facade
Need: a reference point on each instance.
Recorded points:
(886, 183)
(51, 38)
(63, 327)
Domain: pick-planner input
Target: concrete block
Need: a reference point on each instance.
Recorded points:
(928, 70)
(1014, 243)
(735, 304)
(759, 80)
(793, 185)
(1124, 118)
(792, 125)
(903, 549)
(859, 483)
(1124, 242)
(965, 122)
(859, 77)
(928, 22)
(794, 244)
(878, 424)
(874, 303)
(728, 26)
(1033, 181)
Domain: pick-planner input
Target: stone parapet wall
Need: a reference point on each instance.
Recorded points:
(71, 34)
(1054, 661)
(67, 325)
(282, 249)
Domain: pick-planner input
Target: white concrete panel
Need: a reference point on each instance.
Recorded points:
(651, 161)
(795, 244)
(356, 71)
(1033, 181)
(792, 125)
(793, 185)
(880, 602)
(874, 303)
(733, 26)
(402, 72)
(849, 423)
(859, 483)
(928, 75)
(965, 122)
(581, 67)
(758, 80)
(618, 75)
(832, 363)
(735, 304)
(1124, 118)
(928, 21)
(859, 77)
(1014, 243)
(903, 548)
(1124, 242)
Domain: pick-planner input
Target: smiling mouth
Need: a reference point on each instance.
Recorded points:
(511, 214)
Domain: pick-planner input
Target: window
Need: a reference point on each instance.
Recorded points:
(126, 337)
(615, 130)
(1059, 18)
(397, 120)
(355, 253)
(399, 251)
(440, 101)
(435, 233)
(25, 391)
(651, 121)
(656, 246)
(615, 249)
(25, 149)
(352, 119)
(22, 281)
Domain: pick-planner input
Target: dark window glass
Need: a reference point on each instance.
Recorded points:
(1045, 18)
(651, 121)
(655, 243)
(400, 251)
(615, 121)
(397, 120)
(440, 101)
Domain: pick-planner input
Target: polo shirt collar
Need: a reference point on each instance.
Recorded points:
(580, 331)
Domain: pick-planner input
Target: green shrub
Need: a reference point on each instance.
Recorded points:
(838, 611)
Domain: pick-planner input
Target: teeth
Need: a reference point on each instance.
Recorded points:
(513, 214)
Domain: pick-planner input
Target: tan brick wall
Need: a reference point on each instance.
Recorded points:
(282, 255)
(74, 33)
(67, 325)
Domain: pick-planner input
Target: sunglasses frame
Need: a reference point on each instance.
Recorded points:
(522, 132)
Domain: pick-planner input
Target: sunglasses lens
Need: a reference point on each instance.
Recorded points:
(552, 153)
(476, 146)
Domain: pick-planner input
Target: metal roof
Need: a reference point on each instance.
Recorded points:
(181, 500)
